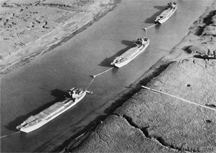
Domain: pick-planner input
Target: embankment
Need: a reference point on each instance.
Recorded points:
(152, 122)
(29, 29)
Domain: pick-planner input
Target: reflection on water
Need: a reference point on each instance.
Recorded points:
(32, 88)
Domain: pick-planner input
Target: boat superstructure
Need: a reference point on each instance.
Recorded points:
(140, 45)
(167, 13)
(34, 122)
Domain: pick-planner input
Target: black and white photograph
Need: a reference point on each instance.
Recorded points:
(108, 76)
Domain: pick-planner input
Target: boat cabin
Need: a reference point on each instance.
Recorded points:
(171, 5)
(75, 93)
(141, 41)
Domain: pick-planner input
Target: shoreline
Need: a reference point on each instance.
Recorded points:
(17, 61)
(152, 78)
(133, 91)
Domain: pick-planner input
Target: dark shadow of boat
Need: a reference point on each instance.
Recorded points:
(59, 96)
(106, 62)
(153, 17)
(115, 70)
(157, 26)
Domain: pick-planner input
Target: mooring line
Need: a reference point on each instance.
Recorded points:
(146, 33)
(190, 102)
(151, 26)
(94, 76)
(9, 134)
(89, 84)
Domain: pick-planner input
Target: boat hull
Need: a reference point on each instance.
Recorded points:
(48, 119)
(160, 21)
(121, 64)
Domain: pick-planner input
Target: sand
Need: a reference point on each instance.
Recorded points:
(152, 122)
(28, 29)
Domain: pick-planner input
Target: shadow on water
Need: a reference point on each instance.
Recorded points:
(106, 62)
(115, 70)
(157, 27)
(59, 96)
(152, 18)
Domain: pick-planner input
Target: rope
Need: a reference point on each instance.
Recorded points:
(146, 33)
(94, 76)
(151, 26)
(148, 28)
(190, 102)
(89, 84)
(9, 134)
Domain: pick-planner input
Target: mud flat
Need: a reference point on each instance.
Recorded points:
(31, 28)
(152, 122)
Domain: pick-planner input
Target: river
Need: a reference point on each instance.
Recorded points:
(42, 82)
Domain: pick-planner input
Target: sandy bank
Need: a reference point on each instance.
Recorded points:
(152, 122)
(31, 28)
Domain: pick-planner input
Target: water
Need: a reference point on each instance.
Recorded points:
(42, 82)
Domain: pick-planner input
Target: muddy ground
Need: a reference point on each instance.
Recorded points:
(144, 121)
(30, 28)
(153, 122)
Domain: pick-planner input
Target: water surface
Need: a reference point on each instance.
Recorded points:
(42, 82)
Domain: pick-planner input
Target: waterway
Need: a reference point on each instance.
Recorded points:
(42, 82)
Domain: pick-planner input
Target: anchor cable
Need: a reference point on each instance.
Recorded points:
(89, 84)
(145, 29)
(151, 26)
(9, 134)
(94, 76)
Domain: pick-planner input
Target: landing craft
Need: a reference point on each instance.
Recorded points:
(36, 121)
(167, 13)
(140, 45)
